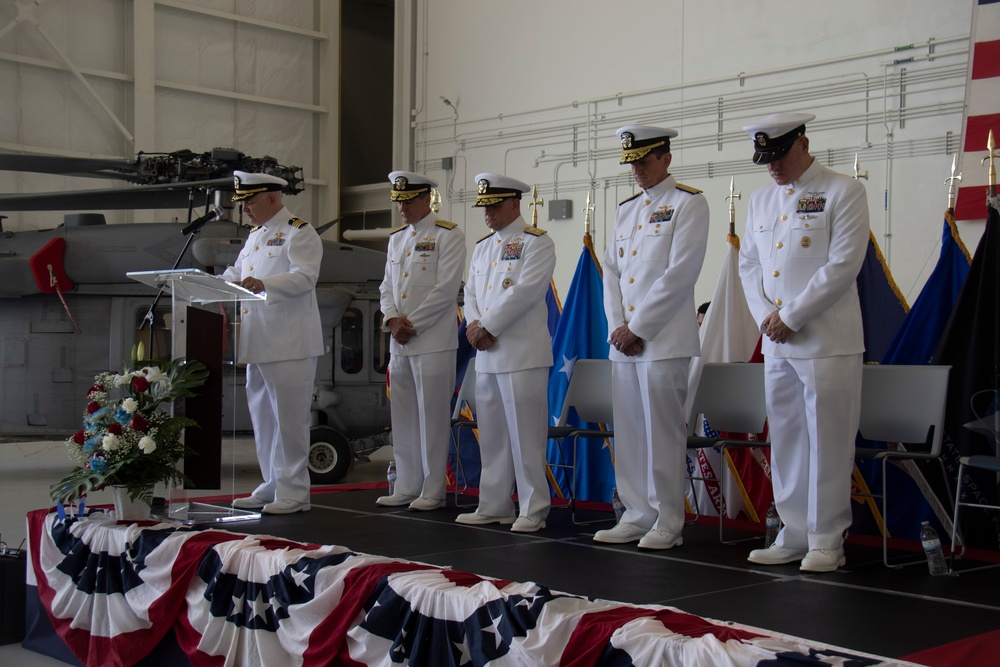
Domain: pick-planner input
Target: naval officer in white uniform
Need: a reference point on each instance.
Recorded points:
(280, 340)
(650, 270)
(505, 307)
(419, 299)
(804, 244)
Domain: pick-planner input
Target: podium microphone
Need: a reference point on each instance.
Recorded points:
(214, 213)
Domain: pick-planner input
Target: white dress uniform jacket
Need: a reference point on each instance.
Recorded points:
(650, 270)
(423, 271)
(285, 254)
(510, 272)
(801, 253)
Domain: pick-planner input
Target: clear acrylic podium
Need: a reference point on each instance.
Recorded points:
(186, 287)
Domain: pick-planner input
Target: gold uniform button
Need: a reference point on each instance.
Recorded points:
(646, 203)
(407, 253)
(631, 308)
(778, 302)
(489, 287)
(639, 227)
(486, 310)
(256, 247)
(404, 295)
(406, 273)
(779, 245)
(631, 280)
(494, 263)
(246, 310)
(250, 269)
(806, 225)
(790, 191)
(423, 268)
(776, 274)
(784, 217)
(413, 233)
(633, 253)
(498, 241)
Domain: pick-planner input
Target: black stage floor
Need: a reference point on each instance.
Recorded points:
(865, 606)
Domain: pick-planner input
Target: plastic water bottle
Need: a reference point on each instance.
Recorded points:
(390, 476)
(616, 505)
(773, 524)
(932, 547)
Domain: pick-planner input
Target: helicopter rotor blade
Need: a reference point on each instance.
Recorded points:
(165, 195)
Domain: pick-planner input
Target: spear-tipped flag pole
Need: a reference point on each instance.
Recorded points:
(858, 175)
(536, 201)
(990, 154)
(951, 180)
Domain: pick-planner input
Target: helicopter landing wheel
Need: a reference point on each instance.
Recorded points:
(330, 455)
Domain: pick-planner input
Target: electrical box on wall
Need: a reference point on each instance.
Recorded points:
(560, 209)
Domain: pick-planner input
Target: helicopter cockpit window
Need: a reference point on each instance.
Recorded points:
(352, 342)
(380, 346)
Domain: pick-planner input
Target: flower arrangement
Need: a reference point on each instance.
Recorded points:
(128, 437)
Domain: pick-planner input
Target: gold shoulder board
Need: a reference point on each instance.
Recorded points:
(535, 231)
(254, 228)
(688, 189)
(447, 224)
(397, 229)
(485, 237)
(297, 223)
(625, 201)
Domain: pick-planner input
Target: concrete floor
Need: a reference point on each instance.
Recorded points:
(28, 468)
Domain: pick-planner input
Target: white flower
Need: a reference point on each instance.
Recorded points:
(130, 405)
(122, 380)
(110, 442)
(147, 445)
(154, 375)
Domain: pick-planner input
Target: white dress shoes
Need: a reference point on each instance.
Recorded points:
(775, 555)
(623, 533)
(476, 519)
(285, 506)
(395, 500)
(823, 560)
(525, 524)
(656, 539)
(424, 504)
(249, 503)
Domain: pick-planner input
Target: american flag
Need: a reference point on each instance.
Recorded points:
(982, 105)
(113, 591)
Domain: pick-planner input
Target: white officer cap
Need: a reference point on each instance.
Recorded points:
(248, 184)
(494, 188)
(638, 140)
(407, 184)
(774, 135)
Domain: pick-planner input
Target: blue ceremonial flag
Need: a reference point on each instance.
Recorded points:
(582, 333)
(554, 307)
(920, 332)
(883, 306)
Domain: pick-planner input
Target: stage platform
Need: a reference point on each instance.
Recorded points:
(865, 607)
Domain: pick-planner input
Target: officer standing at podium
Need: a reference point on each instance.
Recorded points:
(280, 340)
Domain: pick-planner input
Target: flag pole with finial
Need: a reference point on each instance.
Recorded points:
(858, 175)
(536, 201)
(991, 148)
(587, 210)
(733, 196)
(951, 182)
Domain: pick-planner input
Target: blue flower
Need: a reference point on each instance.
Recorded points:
(92, 443)
(122, 417)
(98, 464)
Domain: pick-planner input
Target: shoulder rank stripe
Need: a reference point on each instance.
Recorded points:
(254, 228)
(298, 223)
(446, 224)
(485, 237)
(398, 229)
(535, 231)
(625, 201)
(688, 189)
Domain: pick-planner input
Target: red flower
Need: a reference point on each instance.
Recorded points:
(93, 407)
(139, 423)
(115, 428)
(94, 389)
(79, 437)
(140, 384)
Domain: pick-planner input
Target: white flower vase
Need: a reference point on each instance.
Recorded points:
(127, 509)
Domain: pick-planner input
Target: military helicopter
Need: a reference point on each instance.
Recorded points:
(68, 310)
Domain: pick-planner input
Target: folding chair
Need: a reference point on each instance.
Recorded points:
(731, 398)
(466, 397)
(589, 395)
(905, 405)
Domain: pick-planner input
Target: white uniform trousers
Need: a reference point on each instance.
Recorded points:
(279, 394)
(651, 441)
(513, 415)
(813, 409)
(421, 387)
